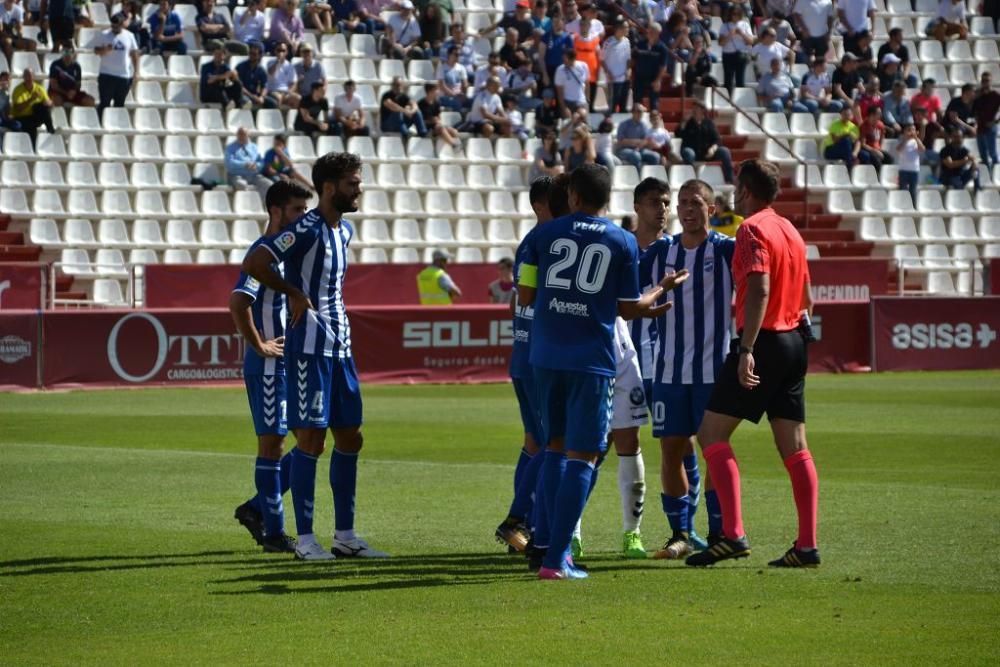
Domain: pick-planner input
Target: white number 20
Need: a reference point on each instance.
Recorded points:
(591, 272)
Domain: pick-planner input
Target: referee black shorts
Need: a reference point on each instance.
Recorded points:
(780, 360)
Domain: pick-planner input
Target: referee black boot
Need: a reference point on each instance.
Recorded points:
(722, 549)
(795, 557)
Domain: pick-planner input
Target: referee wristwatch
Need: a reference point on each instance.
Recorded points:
(745, 350)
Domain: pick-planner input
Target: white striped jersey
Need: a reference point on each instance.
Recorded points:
(315, 258)
(693, 336)
(642, 330)
(268, 314)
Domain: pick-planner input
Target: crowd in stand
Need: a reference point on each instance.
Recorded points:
(553, 60)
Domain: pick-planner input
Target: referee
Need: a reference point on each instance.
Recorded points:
(766, 368)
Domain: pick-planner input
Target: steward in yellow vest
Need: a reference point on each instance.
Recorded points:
(434, 285)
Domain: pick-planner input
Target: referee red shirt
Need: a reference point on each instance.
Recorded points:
(768, 243)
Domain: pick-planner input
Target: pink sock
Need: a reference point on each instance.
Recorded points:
(805, 488)
(726, 477)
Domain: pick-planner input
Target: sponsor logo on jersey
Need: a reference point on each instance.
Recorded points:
(637, 396)
(709, 264)
(569, 308)
(252, 284)
(13, 349)
(285, 241)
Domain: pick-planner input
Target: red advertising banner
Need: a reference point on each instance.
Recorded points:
(22, 285)
(839, 280)
(208, 286)
(19, 350)
(936, 333)
(842, 344)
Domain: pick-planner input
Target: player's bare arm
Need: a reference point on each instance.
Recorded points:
(258, 264)
(807, 299)
(758, 293)
(239, 308)
(646, 305)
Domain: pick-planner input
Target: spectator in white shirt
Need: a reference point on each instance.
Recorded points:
(950, 21)
(571, 83)
(855, 16)
(348, 112)
(589, 11)
(281, 79)
(119, 67)
(522, 84)
(908, 152)
(464, 43)
(736, 38)
(402, 34)
(453, 79)
(816, 91)
(487, 115)
(814, 20)
(493, 67)
(616, 60)
(249, 26)
(768, 49)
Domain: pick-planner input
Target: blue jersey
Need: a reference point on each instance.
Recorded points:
(315, 259)
(585, 266)
(693, 336)
(268, 313)
(519, 365)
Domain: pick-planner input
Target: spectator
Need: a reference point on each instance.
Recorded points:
(547, 158)
(166, 30)
(30, 105)
(846, 81)
(594, 29)
(570, 15)
(252, 77)
(572, 84)
(889, 72)
(816, 91)
(519, 19)
(929, 100)
(464, 44)
(927, 132)
(539, 16)
(398, 113)
(700, 142)
(501, 289)
(59, 15)
(843, 139)
(548, 116)
(554, 45)
(430, 107)
(604, 143)
(639, 11)
(523, 85)
(514, 116)
(616, 60)
(402, 34)
(587, 50)
(494, 67)
(371, 11)
(862, 49)
(313, 117)
(699, 69)
(277, 163)
(958, 167)
(872, 133)
(11, 20)
(984, 109)
(249, 26)
(783, 31)
(950, 21)
(896, 112)
(814, 19)
(659, 138)
(649, 60)
(487, 115)
(633, 146)
(736, 38)
(511, 48)
(432, 28)
(281, 80)
(65, 80)
(675, 36)
(307, 71)
(769, 49)
(870, 98)
(777, 92)
(628, 223)
(216, 31)
(318, 15)
(119, 66)
(81, 13)
(434, 286)
(348, 112)
(286, 26)
(581, 149)
(896, 47)
(725, 220)
(6, 122)
(453, 79)
(908, 151)
(855, 16)
(219, 84)
(132, 21)
(958, 114)
(243, 164)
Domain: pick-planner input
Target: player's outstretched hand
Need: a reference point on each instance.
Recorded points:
(273, 348)
(672, 280)
(647, 304)
(298, 304)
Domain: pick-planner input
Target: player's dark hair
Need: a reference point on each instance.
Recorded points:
(761, 178)
(592, 185)
(648, 185)
(701, 187)
(559, 196)
(281, 139)
(332, 167)
(540, 189)
(282, 192)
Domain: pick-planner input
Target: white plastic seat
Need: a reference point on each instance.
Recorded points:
(497, 253)
(215, 203)
(146, 148)
(375, 202)
(899, 201)
(841, 202)
(420, 148)
(469, 256)
(116, 204)
(390, 149)
(83, 147)
(872, 229)
(237, 118)
(863, 176)
(680, 173)
(178, 148)
(501, 204)
(117, 119)
(142, 175)
(407, 203)
(18, 144)
(208, 149)
(111, 233)
(207, 121)
(936, 255)
(47, 203)
(362, 70)
(940, 282)
(270, 121)
(108, 291)
(963, 228)
(180, 233)
(970, 282)
(210, 256)
(177, 256)
(903, 229)
(85, 119)
(148, 94)
(79, 233)
(510, 177)
(363, 147)
(929, 203)
(962, 73)
(621, 204)
(389, 68)
(775, 152)
(479, 151)
(374, 231)
(405, 231)
(235, 256)
(179, 121)
(44, 232)
(405, 255)
(334, 45)
(148, 121)
(182, 204)
(804, 125)
(809, 176)
(438, 231)
(418, 176)
(989, 228)
(806, 149)
(812, 251)
(180, 94)
(421, 71)
(959, 202)
(245, 232)
(327, 144)
(907, 255)
(932, 229)
(302, 149)
(115, 148)
(438, 203)
(501, 231)
(248, 204)
(777, 124)
(479, 176)
(374, 256)
(48, 175)
(523, 227)
(712, 174)
(363, 46)
(110, 262)
(986, 51)
(470, 202)
(147, 233)
(510, 150)
(76, 262)
(149, 204)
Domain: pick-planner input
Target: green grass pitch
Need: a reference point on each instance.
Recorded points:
(118, 547)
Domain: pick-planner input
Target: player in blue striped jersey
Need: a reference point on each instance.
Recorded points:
(259, 315)
(692, 341)
(324, 392)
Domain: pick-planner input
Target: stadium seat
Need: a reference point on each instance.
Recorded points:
(214, 233)
(50, 175)
(621, 204)
(929, 203)
(932, 229)
(479, 151)
(510, 150)
(111, 232)
(776, 124)
(245, 232)
(903, 229)
(143, 175)
(210, 256)
(936, 256)
(147, 234)
(18, 144)
(110, 263)
(363, 46)
(438, 231)
(44, 232)
(986, 51)
(182, 204)
(965, 254)
(841, 202)
(712, 174)
(467, 255)
(959, 202)
(374, 231)
(991, 251)
(152, 68)
(83, 147)
(373, 256)
(178, 148)
(940, 282)
(989, 228)
(809, 176)
(907, 255)
(438, 203)
(679, 174)
(501, 231)
(480, 176)
(496, 253)
(872, 229)
(146, 148)
(406, 231)
(208, 149)
(115, 148)
(117, 120)
(248, 204)
(363, 147)
(108, 292)
(962, 228)
(775, 152)
(180, 94)
(180, 233)
(970, 282)
(235, 256)
(803, 125)
(148, 121)
(177, 256)
(523, 227)
(14, 203)
(76, 262)
(391, 149)
(898, 202)
(376, 202)
(149, 204)
(148, 94)
(501, 203)
(420, 149)
(46, 203)
(116, 204)
(215, 204)
(510, 177)
(863, 176)
(80, 234)
(326, 144)
(335, 46)
(418, 176)
(407, 204)
(405, 255)
(470, 202)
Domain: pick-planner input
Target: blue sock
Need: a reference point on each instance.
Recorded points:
(694, 487)
(303, 485)
(266, 477)
(714, 510)
(552, 471)
(539, 515)
(676, 509)
(344, 482)
(284, 472)
(521, 507)
(522, 463)
(570, 501)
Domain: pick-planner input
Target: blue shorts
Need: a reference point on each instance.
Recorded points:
(524, 389)
(678, 408)
(268, 406)
(324, 392)
(575, 406)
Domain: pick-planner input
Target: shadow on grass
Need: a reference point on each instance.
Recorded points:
(75, 565)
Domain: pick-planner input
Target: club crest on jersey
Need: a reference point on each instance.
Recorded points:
(285, 241)
(637, 396)
(708, 265)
